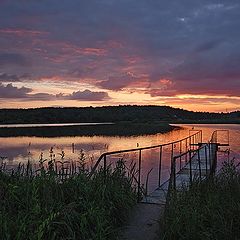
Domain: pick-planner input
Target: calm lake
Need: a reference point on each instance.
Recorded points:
(22, 149)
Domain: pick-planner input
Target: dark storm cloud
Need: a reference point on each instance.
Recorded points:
(10, 91)
(194, 44)
(86, 95)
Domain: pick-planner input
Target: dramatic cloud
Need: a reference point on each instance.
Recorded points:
(86, 95)
(9, 91)
(151, 48)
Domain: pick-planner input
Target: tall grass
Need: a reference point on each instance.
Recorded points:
(46, 206)
(208, 210)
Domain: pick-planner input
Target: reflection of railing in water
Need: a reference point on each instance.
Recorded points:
(184, 145)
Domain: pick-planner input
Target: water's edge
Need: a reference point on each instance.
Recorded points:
(86, 129)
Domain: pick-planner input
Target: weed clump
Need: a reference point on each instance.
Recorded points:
(51, 205)
(208, 210)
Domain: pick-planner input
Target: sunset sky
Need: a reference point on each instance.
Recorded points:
(182, 53)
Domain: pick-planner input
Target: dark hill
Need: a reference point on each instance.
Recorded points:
(112, 114)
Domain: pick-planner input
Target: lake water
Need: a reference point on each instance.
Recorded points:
(22, 149)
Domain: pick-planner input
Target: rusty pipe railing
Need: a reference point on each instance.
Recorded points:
(191, 139)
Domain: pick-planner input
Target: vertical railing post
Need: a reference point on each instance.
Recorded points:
(186, 149)
(174, 173)
(190, 164)
(199, 165)
(215, 149)
(180, 151)
(160, 167)
(206, 160)
(190, 143)
(73, 147)
(171, 181)
(210, 157)
(194, 141)
(228, 137)
(139, 174)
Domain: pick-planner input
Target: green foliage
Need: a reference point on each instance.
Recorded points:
(208, 210)
(76, 207)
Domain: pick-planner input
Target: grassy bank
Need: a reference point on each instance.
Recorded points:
(209, 210)
(77, 207)
(118, 129)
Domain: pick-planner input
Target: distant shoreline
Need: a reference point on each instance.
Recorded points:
(125, 128)
(118, 129)
(33, 125)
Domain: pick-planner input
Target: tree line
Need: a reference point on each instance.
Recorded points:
(123, 113)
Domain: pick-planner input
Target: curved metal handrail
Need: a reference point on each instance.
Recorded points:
(102, 156)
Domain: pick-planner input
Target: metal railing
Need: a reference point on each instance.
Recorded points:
(206, 153)
(184, 145)
(207, 167)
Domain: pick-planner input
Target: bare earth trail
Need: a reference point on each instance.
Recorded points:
(143, 223)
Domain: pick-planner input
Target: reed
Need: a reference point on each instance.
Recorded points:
(208, 210)
(63, 202)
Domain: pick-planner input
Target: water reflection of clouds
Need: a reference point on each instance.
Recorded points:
(13, 153)
(16, 149)
(21, 149)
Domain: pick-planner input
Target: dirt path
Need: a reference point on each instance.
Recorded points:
(143, 223)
